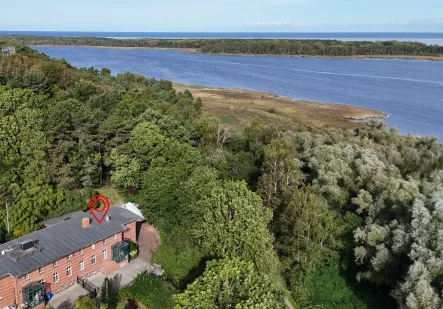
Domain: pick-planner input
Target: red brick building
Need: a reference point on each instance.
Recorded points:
(8, 50)
(51, 259)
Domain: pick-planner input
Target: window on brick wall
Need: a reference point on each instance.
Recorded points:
(55, 277)
(54, 263)
(115, 236)
(69, 271)
(93, 246)
(104, 241)
(81, 252)
(68, 258)
(82, 265)
(26, 276)
(40, 270)
(93, 260)
(105, 254)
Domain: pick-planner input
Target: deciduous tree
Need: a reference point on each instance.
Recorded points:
(230, 284)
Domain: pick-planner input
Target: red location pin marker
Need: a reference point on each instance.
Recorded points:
(102, 210)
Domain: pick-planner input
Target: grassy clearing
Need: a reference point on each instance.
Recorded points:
(238, 107)
(112, 194)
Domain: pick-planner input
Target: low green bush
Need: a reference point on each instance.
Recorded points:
(154, 293)
(179, 257)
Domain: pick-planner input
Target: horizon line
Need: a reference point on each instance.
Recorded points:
(284, 31)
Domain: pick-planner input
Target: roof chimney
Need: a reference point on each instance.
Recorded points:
(85, 222)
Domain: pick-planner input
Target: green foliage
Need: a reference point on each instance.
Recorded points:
(328, 288)
(85, 303)
(147, 141)
(72, 201)
(108, 294)
(306, 234)
(25, 181)
(179, 256)
(230, 284)
(59, 127)
(235, 225)
(84, 89)
(163, 184)
(281, 170)
(152, 292)
(126, 172)
(133, 249)
(328, 208)
(3, 227)
(33, 80)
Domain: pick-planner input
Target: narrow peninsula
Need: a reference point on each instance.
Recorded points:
(273, 47)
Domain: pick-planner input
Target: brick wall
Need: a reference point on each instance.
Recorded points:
(110, 266)
(130, 233)
(105, 265)
(7, 291)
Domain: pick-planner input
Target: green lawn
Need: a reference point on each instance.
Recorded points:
(112, 194)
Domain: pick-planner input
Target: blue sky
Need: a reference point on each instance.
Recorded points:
(223, 15)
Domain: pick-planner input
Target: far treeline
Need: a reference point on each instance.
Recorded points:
(327, 48)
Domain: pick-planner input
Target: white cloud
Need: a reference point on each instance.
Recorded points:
(274, 3)
(280, 2)
(401, 22)
(276, 23)
(302, 24)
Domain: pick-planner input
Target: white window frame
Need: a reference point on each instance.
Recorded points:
(27, 277)
(68, 258)
(55, 277)
(40, 270)
(82, 265)
(93, 246)
(42, 280)
(105, 254)
(93, 260)
(104, 241)
(69, 271)
(81, 252)
(54, 264)
(115, 236)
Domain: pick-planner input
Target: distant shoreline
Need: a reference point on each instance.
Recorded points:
(196, 51)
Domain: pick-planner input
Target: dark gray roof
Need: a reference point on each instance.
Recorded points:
(63, 218)
(62, 239)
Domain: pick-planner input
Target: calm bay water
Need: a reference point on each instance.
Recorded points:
(410, 91)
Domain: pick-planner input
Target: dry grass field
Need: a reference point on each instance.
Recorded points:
(239, 107)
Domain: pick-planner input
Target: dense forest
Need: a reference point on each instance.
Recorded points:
(345, 219)
(329, 48)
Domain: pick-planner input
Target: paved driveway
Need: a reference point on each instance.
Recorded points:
(66, 299)
(123, 276)
(148, 240)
